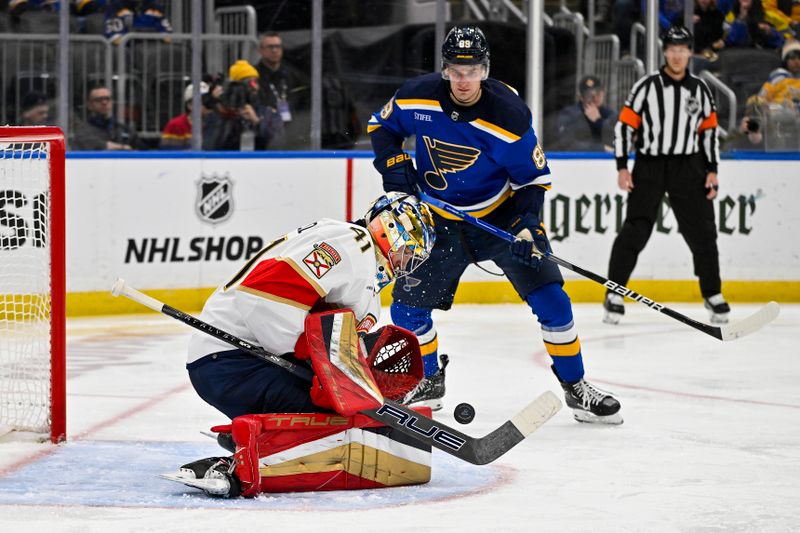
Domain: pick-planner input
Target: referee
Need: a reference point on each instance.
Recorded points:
(670, 118)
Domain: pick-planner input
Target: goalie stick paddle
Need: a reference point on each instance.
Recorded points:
(726, 332)
(478, 451)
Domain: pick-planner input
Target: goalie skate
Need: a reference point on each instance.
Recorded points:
(590, 404)
(212, 476)
(430, 391)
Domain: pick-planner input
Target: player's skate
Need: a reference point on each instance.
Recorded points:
(590, 404)
(718, 308)
(430, 391)
(212, 475)
(615, 308)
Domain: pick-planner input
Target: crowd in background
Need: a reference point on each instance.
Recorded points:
(263, 103)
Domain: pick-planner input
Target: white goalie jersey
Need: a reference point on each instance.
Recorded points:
(326, 265)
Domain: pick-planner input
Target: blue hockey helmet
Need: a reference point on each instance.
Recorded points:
(465, 45)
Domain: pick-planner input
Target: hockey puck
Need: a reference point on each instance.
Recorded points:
(464, 413)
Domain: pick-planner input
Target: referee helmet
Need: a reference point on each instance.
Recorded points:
(677, 34)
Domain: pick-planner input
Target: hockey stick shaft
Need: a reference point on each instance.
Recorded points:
(753, 323)
(121, 288)
(477, 451)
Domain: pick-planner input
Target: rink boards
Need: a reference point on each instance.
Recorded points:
(180, 224)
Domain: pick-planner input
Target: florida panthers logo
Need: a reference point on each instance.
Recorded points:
(447, 158)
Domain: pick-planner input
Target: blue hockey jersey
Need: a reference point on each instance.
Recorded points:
(471, 157)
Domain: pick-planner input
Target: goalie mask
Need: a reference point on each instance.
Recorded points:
(403, 233)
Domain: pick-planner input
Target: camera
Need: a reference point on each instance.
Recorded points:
(238, 94)
(753, 125)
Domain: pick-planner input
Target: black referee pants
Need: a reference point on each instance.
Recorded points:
(682, 178)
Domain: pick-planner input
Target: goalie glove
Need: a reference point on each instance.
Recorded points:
(531, 243)
(398, 172)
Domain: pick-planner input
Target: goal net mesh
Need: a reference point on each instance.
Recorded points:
(25, 286)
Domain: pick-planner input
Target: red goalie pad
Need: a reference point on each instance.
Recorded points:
(342, 378)
(299, 452)
(395, 360)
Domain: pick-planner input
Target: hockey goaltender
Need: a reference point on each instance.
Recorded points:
(313, 295)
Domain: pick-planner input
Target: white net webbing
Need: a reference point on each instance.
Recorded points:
(25, 286)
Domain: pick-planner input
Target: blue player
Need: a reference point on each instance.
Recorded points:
(476, 149)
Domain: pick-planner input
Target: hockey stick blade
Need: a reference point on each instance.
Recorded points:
(753, 323)
(478, 451)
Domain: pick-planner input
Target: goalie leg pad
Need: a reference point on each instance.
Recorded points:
(300, 452)
(245, 431)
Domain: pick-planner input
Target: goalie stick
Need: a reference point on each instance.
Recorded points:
(478, 451)
(726, 332)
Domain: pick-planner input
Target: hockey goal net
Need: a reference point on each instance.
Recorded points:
(32, 281)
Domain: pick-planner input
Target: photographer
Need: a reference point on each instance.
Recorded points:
(749, 136)
(241, 121)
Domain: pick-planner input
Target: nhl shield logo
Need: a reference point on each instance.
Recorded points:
(214, 198)
(692, 105)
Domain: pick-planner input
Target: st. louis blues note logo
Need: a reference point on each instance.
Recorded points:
(447, 158)
(214, 198)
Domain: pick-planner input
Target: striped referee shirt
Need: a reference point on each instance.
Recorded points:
(668, 117)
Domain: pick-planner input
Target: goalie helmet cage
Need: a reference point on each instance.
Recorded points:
(32, 281)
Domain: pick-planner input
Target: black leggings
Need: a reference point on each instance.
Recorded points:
(682, 178)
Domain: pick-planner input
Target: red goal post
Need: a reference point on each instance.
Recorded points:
(32, 281)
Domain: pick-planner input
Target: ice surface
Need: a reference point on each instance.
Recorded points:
(710, 439)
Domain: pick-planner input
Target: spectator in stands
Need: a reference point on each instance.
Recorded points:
(627, 12)
(241, 120)
(783, 85)
(100, 131)
(282, 87)
(750, 135)
(749, 28)
(77, 7)
(18, 7)
(588, 125)
(177, 134)
(708, 29)
(123, 16)
(34, 110)
(784, 15)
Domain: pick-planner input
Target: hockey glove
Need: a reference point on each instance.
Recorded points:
(398, 173)
(531, 243)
